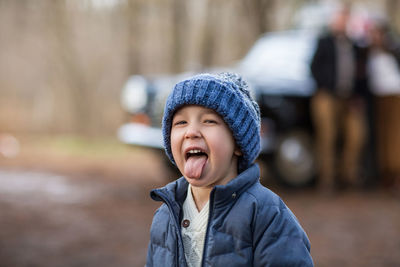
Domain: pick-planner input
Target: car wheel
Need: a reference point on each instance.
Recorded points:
(294, 161)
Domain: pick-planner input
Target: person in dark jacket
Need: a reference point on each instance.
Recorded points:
(338, 106)
(218, 213)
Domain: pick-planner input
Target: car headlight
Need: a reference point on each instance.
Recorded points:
(134, 94)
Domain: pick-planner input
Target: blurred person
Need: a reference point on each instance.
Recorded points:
(218, 213)
(338, 108)
(384, 77)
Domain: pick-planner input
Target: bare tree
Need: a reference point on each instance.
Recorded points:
(259, 12)
(393, 8)
(208, 41)
(132, 15)
(72, 72)
(179, 21)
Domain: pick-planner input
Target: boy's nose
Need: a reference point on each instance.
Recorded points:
(192, 132)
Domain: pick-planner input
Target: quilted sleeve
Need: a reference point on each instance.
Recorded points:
(149, 261)
(279, 239)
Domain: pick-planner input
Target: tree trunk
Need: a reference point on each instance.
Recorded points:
(208, 42)
(73, 74)
(258, 12)
(178, 34)
(393, 8)
(134, 35)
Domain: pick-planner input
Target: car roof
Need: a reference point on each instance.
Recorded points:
(278, 63)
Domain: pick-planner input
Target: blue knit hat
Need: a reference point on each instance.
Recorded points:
(226, 94)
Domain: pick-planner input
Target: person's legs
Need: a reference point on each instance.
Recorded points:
(388, 132)
(354, 127)
(323, 116)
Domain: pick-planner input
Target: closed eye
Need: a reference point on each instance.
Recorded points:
(210, 121)
(181, 122)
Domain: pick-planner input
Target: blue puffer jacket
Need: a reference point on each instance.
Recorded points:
(248, 226)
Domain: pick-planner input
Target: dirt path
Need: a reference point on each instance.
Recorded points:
(52, 220)
(60, 211)
(351, 229)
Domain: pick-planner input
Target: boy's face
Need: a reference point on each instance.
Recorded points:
(203, 147)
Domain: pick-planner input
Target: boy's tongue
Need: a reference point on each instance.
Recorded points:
(194, 166)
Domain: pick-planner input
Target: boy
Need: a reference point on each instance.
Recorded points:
(218, 213)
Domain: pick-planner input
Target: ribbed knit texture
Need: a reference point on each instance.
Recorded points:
(228, 95)
(194, 235)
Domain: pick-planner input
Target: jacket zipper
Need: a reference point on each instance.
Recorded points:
(177, 224)
(211, 205)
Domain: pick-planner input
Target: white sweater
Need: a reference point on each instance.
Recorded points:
(194, 226)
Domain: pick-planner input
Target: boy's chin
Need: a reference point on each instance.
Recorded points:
(196, 182)
(192, 181)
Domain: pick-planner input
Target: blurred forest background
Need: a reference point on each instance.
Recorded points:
(63, 62)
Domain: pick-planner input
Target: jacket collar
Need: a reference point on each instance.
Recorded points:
(232, 190)
(175, 192)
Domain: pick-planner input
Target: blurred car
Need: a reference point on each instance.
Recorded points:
(277, 70)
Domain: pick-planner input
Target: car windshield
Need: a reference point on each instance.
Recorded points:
(283, 55)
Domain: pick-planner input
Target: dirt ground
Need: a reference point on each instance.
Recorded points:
(58, 210)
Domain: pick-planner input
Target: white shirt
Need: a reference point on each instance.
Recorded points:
(194, 233)
(345, 66)
(384, 73)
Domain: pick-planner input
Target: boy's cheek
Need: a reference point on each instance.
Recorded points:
(176, 155)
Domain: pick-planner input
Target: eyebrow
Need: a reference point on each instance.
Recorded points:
(210, 111)
(207, 111)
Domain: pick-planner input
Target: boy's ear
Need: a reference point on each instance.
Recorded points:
(237, 152)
